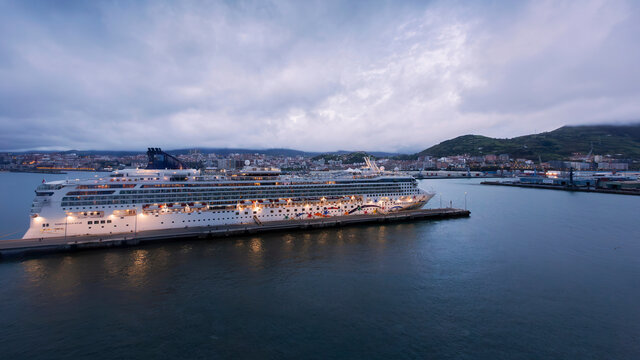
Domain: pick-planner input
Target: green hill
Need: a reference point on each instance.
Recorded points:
(622, 141)
(350, 158)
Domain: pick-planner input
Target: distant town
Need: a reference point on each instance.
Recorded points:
(490, 163)
(606, 148)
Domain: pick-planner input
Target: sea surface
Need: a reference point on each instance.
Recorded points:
(532, 274)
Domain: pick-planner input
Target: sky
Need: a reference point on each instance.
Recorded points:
(395, 76)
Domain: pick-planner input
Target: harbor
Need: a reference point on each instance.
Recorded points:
(22, 247)
(324, 282)
(623, 183)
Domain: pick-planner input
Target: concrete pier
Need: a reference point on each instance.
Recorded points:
(20, 247)
(562, 187)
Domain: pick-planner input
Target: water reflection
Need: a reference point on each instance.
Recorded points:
(35, 270)
(288, 243)
(255, 253)
(111, 261)
(58, 276)
(322, 238)
(255, 245)
(145, 267)
(186, 248)
(137, 270)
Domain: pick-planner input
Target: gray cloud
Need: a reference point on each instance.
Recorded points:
(309, 75)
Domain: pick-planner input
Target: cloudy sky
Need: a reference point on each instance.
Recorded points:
(321, 76)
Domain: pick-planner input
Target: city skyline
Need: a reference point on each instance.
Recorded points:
(317, 77)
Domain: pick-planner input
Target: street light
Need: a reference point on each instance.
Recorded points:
(135, 226)
(66, 222)
(465, 200)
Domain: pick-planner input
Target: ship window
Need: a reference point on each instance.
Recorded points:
(90, 222)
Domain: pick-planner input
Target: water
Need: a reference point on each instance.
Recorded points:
(531, 274)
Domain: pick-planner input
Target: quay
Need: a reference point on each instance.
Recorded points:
(562, 187)
(21, 247)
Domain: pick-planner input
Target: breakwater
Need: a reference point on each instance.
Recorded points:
(562, 187)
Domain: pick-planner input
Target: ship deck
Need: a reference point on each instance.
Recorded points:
(22, 247)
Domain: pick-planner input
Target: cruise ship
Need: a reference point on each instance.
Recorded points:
(166, 194)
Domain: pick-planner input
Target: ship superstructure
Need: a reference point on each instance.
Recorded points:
(133, 200)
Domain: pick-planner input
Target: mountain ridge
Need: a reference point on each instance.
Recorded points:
(622, 141)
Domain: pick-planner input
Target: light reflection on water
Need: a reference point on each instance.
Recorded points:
(137, 268)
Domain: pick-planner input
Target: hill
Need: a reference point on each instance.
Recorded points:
(347, 158)
(622, 141)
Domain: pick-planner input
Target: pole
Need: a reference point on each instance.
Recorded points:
(66, 218)
(465, 200)
(135, 226)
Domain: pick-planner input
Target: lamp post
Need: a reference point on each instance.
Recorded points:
(465, 200)
(66, 219)
(135, 226)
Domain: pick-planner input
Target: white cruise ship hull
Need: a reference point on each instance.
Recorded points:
(124, 205)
